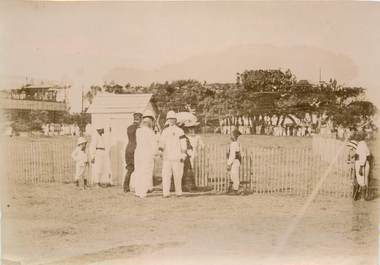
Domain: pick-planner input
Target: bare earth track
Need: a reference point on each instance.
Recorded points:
(60, 224)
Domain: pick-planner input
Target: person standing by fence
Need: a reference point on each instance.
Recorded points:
(188, 178)
(98, 157)
(352, 145)
(130, 150)
(362, 164)
(80, 157)
(234, 160)
(173, 147)
(195, 141)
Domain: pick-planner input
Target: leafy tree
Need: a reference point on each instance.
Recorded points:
(255, 93)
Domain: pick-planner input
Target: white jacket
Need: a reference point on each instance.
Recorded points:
(173, 143)
(234, 147)
(362, 151)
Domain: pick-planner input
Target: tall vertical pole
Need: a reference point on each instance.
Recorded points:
(82, 91)
(82, 112)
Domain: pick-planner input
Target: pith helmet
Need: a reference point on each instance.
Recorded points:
(171, 115)
(81, 140)
(148, 114)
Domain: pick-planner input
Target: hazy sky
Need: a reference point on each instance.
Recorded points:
(82, 41)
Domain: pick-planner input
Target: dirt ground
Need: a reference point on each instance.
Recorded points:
(60, 224)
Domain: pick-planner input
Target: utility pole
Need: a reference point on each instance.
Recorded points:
(82, 111)
(320, 74)
(82, 92)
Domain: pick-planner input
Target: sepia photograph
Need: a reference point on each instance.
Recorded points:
(189, 132)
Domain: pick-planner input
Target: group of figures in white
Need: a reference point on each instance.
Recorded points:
(176, 145)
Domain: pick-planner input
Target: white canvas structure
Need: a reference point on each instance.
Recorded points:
(114, 113)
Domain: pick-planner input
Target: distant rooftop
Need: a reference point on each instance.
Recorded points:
(40, 86)
(117, 103)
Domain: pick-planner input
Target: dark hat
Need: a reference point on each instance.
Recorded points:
(137, 115)
(236, 133)
(361, 135)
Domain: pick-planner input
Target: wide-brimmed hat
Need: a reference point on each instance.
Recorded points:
(190, 123)
(81, 140)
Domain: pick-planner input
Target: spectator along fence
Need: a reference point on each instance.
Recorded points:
(266, 170)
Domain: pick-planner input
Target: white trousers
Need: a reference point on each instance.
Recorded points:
(172, 168)
(235, 168)
(100, 170)
(362, 179)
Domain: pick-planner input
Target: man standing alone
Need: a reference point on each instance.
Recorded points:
(130, 150)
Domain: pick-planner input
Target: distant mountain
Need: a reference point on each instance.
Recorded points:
(222, 66)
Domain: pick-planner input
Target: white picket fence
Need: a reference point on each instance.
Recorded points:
(40, 161)
(272, 169)
(266, 170)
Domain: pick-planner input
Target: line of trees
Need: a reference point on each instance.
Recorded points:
(255, 93)
(32, 120)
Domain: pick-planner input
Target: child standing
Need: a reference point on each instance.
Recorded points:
(81, 162)
(234, 160)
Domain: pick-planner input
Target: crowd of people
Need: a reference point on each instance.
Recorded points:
(269, 129)
(54, 129)
(268, 126)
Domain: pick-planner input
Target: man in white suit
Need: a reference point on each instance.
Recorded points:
(173, 147)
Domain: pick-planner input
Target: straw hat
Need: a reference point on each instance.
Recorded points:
(190, 123)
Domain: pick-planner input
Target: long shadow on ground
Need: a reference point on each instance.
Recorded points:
(121, 252)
